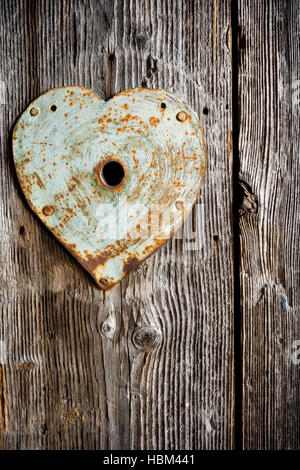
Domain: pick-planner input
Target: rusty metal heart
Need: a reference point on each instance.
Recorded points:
(112, 180)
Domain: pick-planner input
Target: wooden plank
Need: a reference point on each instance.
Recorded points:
(148, 365)
(181, 302)
(53, 392)
(269, 222)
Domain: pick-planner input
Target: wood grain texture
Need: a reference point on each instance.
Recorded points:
(269, 223)
(150, 364)
(182, 386)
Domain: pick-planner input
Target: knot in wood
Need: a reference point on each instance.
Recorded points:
(248, 203)
(108, 327)
(145, 338)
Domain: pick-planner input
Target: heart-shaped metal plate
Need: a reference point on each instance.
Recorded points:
(112, 180)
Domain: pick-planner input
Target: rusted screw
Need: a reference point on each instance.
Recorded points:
(181, 116)
(48, 210)
(34, 111)
(179, 205)
(103, 282)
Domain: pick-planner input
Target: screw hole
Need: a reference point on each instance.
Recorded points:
(163, 105)
(112, 173)
(216, 238)
(53, 108)
(21, 230)
(111, 57)
(205, 111)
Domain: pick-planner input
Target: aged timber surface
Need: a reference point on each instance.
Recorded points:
(149, 365)
(269, 223)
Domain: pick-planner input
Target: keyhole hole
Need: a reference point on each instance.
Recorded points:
(112, 174)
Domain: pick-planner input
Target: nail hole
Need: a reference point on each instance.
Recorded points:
(205, 111)
(163, 105)
(111, 57)
(216, 238)
(22, 230)
(108, 327)
(44, 429)
(53, 108)
(112, 173)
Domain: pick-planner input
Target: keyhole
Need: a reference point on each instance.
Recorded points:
(112, 174)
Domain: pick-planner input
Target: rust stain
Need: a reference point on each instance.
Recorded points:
(130, 265)
(25, 366)
(39, 181)
(229, 143)
(154, 121)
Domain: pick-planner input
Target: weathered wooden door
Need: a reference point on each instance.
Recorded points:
(197, 349)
